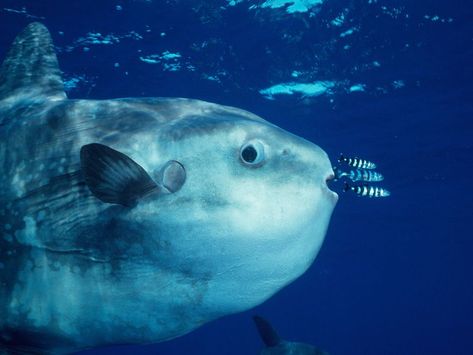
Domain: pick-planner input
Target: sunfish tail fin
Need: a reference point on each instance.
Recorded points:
(30, 68)
(266, 332)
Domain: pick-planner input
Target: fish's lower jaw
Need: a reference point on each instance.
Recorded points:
(263, 256)
(329, 194)
(333, 196)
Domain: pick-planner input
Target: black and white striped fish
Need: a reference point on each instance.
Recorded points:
(366, 190)
(359, 175)
(357, 162)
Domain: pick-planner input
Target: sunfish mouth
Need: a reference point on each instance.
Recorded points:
(332, 195)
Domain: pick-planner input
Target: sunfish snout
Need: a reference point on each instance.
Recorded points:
(327, 175)
(319, 165)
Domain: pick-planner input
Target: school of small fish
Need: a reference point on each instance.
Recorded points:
(356, 180)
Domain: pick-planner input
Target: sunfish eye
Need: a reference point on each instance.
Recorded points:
(252, 153)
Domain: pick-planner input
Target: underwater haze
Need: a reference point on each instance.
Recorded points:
(388, 81)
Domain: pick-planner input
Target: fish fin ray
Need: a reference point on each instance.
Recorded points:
(113, 177)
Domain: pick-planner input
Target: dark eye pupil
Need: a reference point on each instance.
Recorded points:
(249, 154)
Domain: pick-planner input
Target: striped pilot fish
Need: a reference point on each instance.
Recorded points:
(359, 175)
(357, 162)
(366, 190)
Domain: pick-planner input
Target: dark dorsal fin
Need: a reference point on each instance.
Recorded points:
(113, 177)
(266, 332)
(31, 67)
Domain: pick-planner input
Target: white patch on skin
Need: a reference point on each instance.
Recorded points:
(27, 236)
(18, 183)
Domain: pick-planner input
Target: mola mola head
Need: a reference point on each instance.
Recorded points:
(138, 220)
(255, 199)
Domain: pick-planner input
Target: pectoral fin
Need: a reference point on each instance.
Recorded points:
(113, 177)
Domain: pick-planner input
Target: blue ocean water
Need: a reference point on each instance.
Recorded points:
(390, 81)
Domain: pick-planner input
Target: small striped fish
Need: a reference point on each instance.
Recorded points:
(359, 175)
(357, 162)
(367, 191)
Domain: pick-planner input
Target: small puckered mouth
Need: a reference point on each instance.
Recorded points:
(328, 181)
(329, 178)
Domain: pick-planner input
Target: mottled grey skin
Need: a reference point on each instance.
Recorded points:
(274, 345)
(76, 272)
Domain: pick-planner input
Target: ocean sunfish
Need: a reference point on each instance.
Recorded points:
(137, 220)
(274, 345)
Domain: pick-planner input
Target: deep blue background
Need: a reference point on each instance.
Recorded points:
(394, 276)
